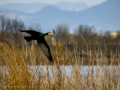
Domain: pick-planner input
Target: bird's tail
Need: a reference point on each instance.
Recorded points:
(28, 38)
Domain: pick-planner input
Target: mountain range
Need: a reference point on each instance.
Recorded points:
(34, 7)
(105, 16)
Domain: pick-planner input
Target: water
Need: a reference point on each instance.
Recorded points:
(68, 70)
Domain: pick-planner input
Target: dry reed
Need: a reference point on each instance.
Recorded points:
(20, 70)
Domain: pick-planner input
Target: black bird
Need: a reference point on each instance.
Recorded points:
(40, 40)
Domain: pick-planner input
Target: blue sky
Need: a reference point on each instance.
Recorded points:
(88, 2)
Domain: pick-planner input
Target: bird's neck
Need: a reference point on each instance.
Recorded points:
(45, 34)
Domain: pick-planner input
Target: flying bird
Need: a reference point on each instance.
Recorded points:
(40, 40)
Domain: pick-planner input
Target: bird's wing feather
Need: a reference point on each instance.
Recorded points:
(32, 32)
(45, 48)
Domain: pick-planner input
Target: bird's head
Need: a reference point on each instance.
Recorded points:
(44, 34)
(49, 33)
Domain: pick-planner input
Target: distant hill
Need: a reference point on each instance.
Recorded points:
(105, 16)
(28, 8)
(34, 7)
(71, 6)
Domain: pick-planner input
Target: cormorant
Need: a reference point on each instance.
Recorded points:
(40, 40)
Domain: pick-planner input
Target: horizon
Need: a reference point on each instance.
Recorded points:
(87, 2)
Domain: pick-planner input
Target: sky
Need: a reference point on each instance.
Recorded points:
(88, 2)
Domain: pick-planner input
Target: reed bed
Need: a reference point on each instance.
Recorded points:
(20, 69)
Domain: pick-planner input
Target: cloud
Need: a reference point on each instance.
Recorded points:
(25, 18)
(33, 10)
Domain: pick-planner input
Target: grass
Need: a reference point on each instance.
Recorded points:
(19, 71)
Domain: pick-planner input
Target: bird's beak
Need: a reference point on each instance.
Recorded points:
(50, 34)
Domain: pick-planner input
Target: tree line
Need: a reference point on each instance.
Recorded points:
(82, 35)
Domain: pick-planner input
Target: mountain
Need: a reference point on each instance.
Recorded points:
(28, 8)
(34, 7)
(49, 17)
(71, 6)
(16, 14)
(105, 16)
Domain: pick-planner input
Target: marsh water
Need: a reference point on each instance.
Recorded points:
(68, 70)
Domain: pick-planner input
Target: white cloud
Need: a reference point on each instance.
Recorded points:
(22, 17)
(33, 10)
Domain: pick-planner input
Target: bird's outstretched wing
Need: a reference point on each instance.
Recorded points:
(32, 32)
(45, 48)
